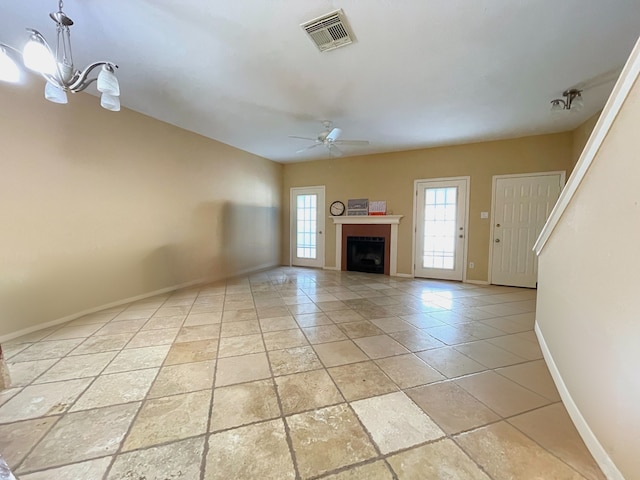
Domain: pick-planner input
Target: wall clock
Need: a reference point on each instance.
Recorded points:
(336, 208)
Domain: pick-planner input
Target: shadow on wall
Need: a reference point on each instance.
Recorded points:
(223, 239)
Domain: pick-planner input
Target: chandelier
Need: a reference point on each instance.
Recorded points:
(572, 101)
(57, 68)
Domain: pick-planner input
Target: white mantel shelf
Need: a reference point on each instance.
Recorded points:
(367, 219)
(393, 220)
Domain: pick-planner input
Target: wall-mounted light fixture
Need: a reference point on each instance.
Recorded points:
(572, 101)
(57, 68)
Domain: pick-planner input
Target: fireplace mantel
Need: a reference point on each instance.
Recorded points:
(392, 220)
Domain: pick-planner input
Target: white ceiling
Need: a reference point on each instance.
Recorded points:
(421, 72)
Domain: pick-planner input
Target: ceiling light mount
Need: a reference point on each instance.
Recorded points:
(572, 101)
(57, 67)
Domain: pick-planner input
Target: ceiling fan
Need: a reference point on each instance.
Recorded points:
(329, 138)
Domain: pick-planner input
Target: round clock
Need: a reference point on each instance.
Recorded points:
(336, 208)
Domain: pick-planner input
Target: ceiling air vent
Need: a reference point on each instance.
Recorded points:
(329, 31)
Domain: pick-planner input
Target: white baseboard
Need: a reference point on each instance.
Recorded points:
(597, 450)
(331, 268)
(117, 303)
(403, 275)
(477, 282)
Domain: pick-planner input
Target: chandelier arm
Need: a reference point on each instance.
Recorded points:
(12, 50)
(84, 85)
(79, 84)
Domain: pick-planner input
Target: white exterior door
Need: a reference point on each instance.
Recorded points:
(307, 226)
(521, 206)
(441, 223)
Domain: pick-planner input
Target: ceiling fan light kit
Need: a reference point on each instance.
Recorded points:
(57, 67)
(572, 101)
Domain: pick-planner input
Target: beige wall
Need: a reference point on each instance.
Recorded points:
(588, 303)
(97, 206)
(581, 135)
(391, 176)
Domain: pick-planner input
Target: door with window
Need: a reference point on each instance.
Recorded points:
(441, 223)
(307, 226)
(521, 206)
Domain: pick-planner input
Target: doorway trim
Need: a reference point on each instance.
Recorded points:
(494, 184)
(467, 178)
(321, 223)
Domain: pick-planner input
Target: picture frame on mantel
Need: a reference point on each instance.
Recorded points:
(357, 207)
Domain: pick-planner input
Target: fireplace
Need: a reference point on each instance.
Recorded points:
(365, 254)
(368, 231)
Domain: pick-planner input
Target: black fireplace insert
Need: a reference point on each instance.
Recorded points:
(365, 254)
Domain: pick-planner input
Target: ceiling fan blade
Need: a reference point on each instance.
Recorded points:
(307, 148)
(303, 138)
(334, 151)
(351, 142)
(334, 135)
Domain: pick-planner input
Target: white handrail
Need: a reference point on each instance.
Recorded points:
(621, 90)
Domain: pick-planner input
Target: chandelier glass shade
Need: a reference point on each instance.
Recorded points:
(57, 67)
(572, 101)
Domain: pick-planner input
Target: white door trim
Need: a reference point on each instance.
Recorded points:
(292, 226)
(415, 220)
(494, 184)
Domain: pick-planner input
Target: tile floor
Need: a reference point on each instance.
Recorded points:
(293, 373)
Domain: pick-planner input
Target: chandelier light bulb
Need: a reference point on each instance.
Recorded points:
(110, 102)
(557, 106)
(107, 81)
(38, 57)
(55, 94)
(577, 104)
(9, 71)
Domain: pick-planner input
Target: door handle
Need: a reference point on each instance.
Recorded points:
(497, 240)
(320, 232)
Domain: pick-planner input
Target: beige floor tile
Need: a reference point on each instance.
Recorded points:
(408, 371)
(360, 329)
(518, 345)
(234, 346)
(534, 376)
(314, 319)
(82, 436)
(126, 326)
(452, 334)
(91, 469)
(11, 350)
(242, 404)
(416, 340)
(380, 346)
(242, 369)
(135, 314)
(198, 332)
(159, 323)
(450, 362)
(76, 331)
(395, 422)
(488, 354)
(275, 324)
(370, 471)
(46, 350)
(138, 358)
(505, 454)
(234, 329)
(116, 388)
(17, 439)
(324, 334)
(182, 378)
(422, 320)
(23, 373)
(553, 429)
(103, 343)
(238, 304)
(204, 318)
(507, 325)
(277, 311)
(293, 360)
(168, 419)
(255, 451)
(42, 400)
(439, 460)
(168, 311)
(361, 380)
(79, 366)
(8, 394)
(188, 352)
(452, 407)
(150, 338)
(239, 315)
(391, 324)
(284, 339)
(328, 439)
(345, 316)
(180, 460)
(501, 310)
(503, 396)
(331, 305)
(339, 353)
(307, 390)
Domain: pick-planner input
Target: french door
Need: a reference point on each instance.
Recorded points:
(521, 206)
(307, 226)
(441, 223)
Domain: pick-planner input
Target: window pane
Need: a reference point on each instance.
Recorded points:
(440, 228)
(306, 215)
